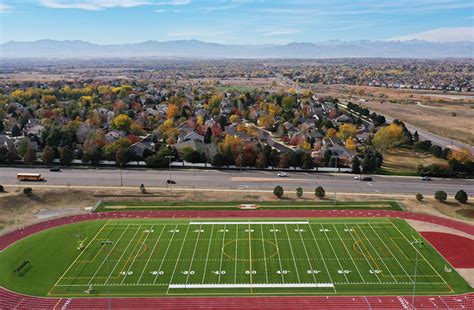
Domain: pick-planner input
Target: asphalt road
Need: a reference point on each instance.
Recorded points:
(259, 180)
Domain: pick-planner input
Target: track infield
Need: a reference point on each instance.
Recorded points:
(214, 257)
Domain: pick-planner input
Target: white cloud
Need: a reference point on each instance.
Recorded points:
(95, 5)
(281, 32)
(441, 35)
(175, 2)
(5, 8)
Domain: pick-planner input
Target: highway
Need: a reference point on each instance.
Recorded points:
(222, 180)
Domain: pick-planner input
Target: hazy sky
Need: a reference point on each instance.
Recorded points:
(236, 21)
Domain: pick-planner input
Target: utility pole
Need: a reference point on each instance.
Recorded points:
(335, 172)
(418, 245)
(121, 175)
(169, 157)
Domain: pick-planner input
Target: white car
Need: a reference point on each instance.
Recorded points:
(282, 174)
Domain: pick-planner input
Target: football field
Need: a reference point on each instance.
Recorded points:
(262, 257)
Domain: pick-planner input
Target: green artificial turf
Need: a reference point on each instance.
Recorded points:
(139, 257)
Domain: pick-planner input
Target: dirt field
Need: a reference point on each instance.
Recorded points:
(432, 112)
(404, 161)
(16, 209)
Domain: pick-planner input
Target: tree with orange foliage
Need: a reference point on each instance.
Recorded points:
(461, 154)
(350, 144)
(172, 111)
(331, 133)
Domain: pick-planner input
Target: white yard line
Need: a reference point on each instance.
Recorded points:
(194, 252)
(264, 254)
(321, 254)
(80, 254)
(177, 259)
(278, 253)
(307, 255)
(250, 260)
(207, 255)
(375, 250)
(166, 252)
(333, 252)
(248, 223)
(110, 272)
(350, 255)
(292, 254)
(151, 253)
(136, 255)
(391, 253)
(107, 257)
(362, 251)
(222, 254)
(236, 243)
(272, 285)
(423, 257)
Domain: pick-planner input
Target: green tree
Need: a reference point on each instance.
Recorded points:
(461, 196)
(219, 160)
(307, 161)
(319, 192)
(122, 156)
(278, 191)
(356, 165)
(299, 192)
(48, 155)
(419, 197)
(28, 191)
(66, 155)
(441, 196)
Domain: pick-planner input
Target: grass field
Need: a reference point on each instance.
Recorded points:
(229, 257)
(266, 205)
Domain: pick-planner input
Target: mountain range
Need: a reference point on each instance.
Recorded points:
(200, 49)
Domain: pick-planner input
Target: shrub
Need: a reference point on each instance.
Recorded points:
(461, 196)
(278, 191)
(2, 189)
(27, 191)
(419, 197)
(441, 196)
(299, 192)
(319, 192)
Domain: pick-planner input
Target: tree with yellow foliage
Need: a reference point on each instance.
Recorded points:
(346, 131)
(234, 118)
(266, 121)
(350, 144)
(172, 111)
(388, 137)
(200, 120)
(231, 143)
(462, 155)
(122, 122)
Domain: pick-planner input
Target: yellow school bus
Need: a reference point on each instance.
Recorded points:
(29, 177)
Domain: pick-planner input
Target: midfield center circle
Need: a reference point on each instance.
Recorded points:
(229, 249)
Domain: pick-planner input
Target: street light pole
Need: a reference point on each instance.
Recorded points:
(121, 175)
(335, 166)
(169, 157)
(417, 247)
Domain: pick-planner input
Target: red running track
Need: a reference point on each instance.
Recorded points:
(456, 249)
(12, 300)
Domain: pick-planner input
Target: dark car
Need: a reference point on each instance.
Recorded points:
(366, 179)
(55, 169)
(170, 182)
